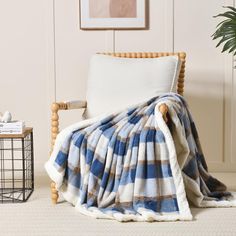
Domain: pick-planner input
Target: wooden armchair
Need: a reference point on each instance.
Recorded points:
(57, 106)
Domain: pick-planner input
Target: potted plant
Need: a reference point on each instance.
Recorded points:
(226, 31)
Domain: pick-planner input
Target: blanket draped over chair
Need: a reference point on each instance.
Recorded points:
(132, 165)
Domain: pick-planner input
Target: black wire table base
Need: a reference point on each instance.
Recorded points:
(16, 168)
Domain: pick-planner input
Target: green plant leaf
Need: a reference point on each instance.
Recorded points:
(222, 33)
(224, 21)
(231, 8)
(226, 30)
(223, 39)
(227, 23)
(232, 49)
(227, 15)
(229, 44)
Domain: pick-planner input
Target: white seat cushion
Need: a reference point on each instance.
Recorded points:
(115, 83)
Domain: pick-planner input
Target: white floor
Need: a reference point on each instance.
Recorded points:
(39, 217)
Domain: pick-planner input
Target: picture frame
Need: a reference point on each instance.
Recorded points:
(112, 14)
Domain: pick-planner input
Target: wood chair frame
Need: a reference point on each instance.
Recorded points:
(57, 106)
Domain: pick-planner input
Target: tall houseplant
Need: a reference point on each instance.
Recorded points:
(226, 31)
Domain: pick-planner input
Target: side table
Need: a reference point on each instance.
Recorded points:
(16, 166)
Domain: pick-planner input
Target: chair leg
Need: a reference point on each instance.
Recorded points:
(54, 193)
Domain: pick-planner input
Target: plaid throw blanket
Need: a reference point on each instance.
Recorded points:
(131, 165)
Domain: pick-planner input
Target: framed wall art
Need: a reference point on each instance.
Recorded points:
(112, 14)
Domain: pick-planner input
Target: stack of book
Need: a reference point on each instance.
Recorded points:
(13, 127)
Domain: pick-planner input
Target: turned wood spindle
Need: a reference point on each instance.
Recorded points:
(54, 133)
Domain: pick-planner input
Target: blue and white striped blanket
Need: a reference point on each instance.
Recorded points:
(131, 165)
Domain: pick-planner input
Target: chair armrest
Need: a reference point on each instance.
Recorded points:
(68, 105)
(77, 104)
(56, 106)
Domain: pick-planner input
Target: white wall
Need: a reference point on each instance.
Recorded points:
(24, 67)
(27, 63)
(208, 73)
